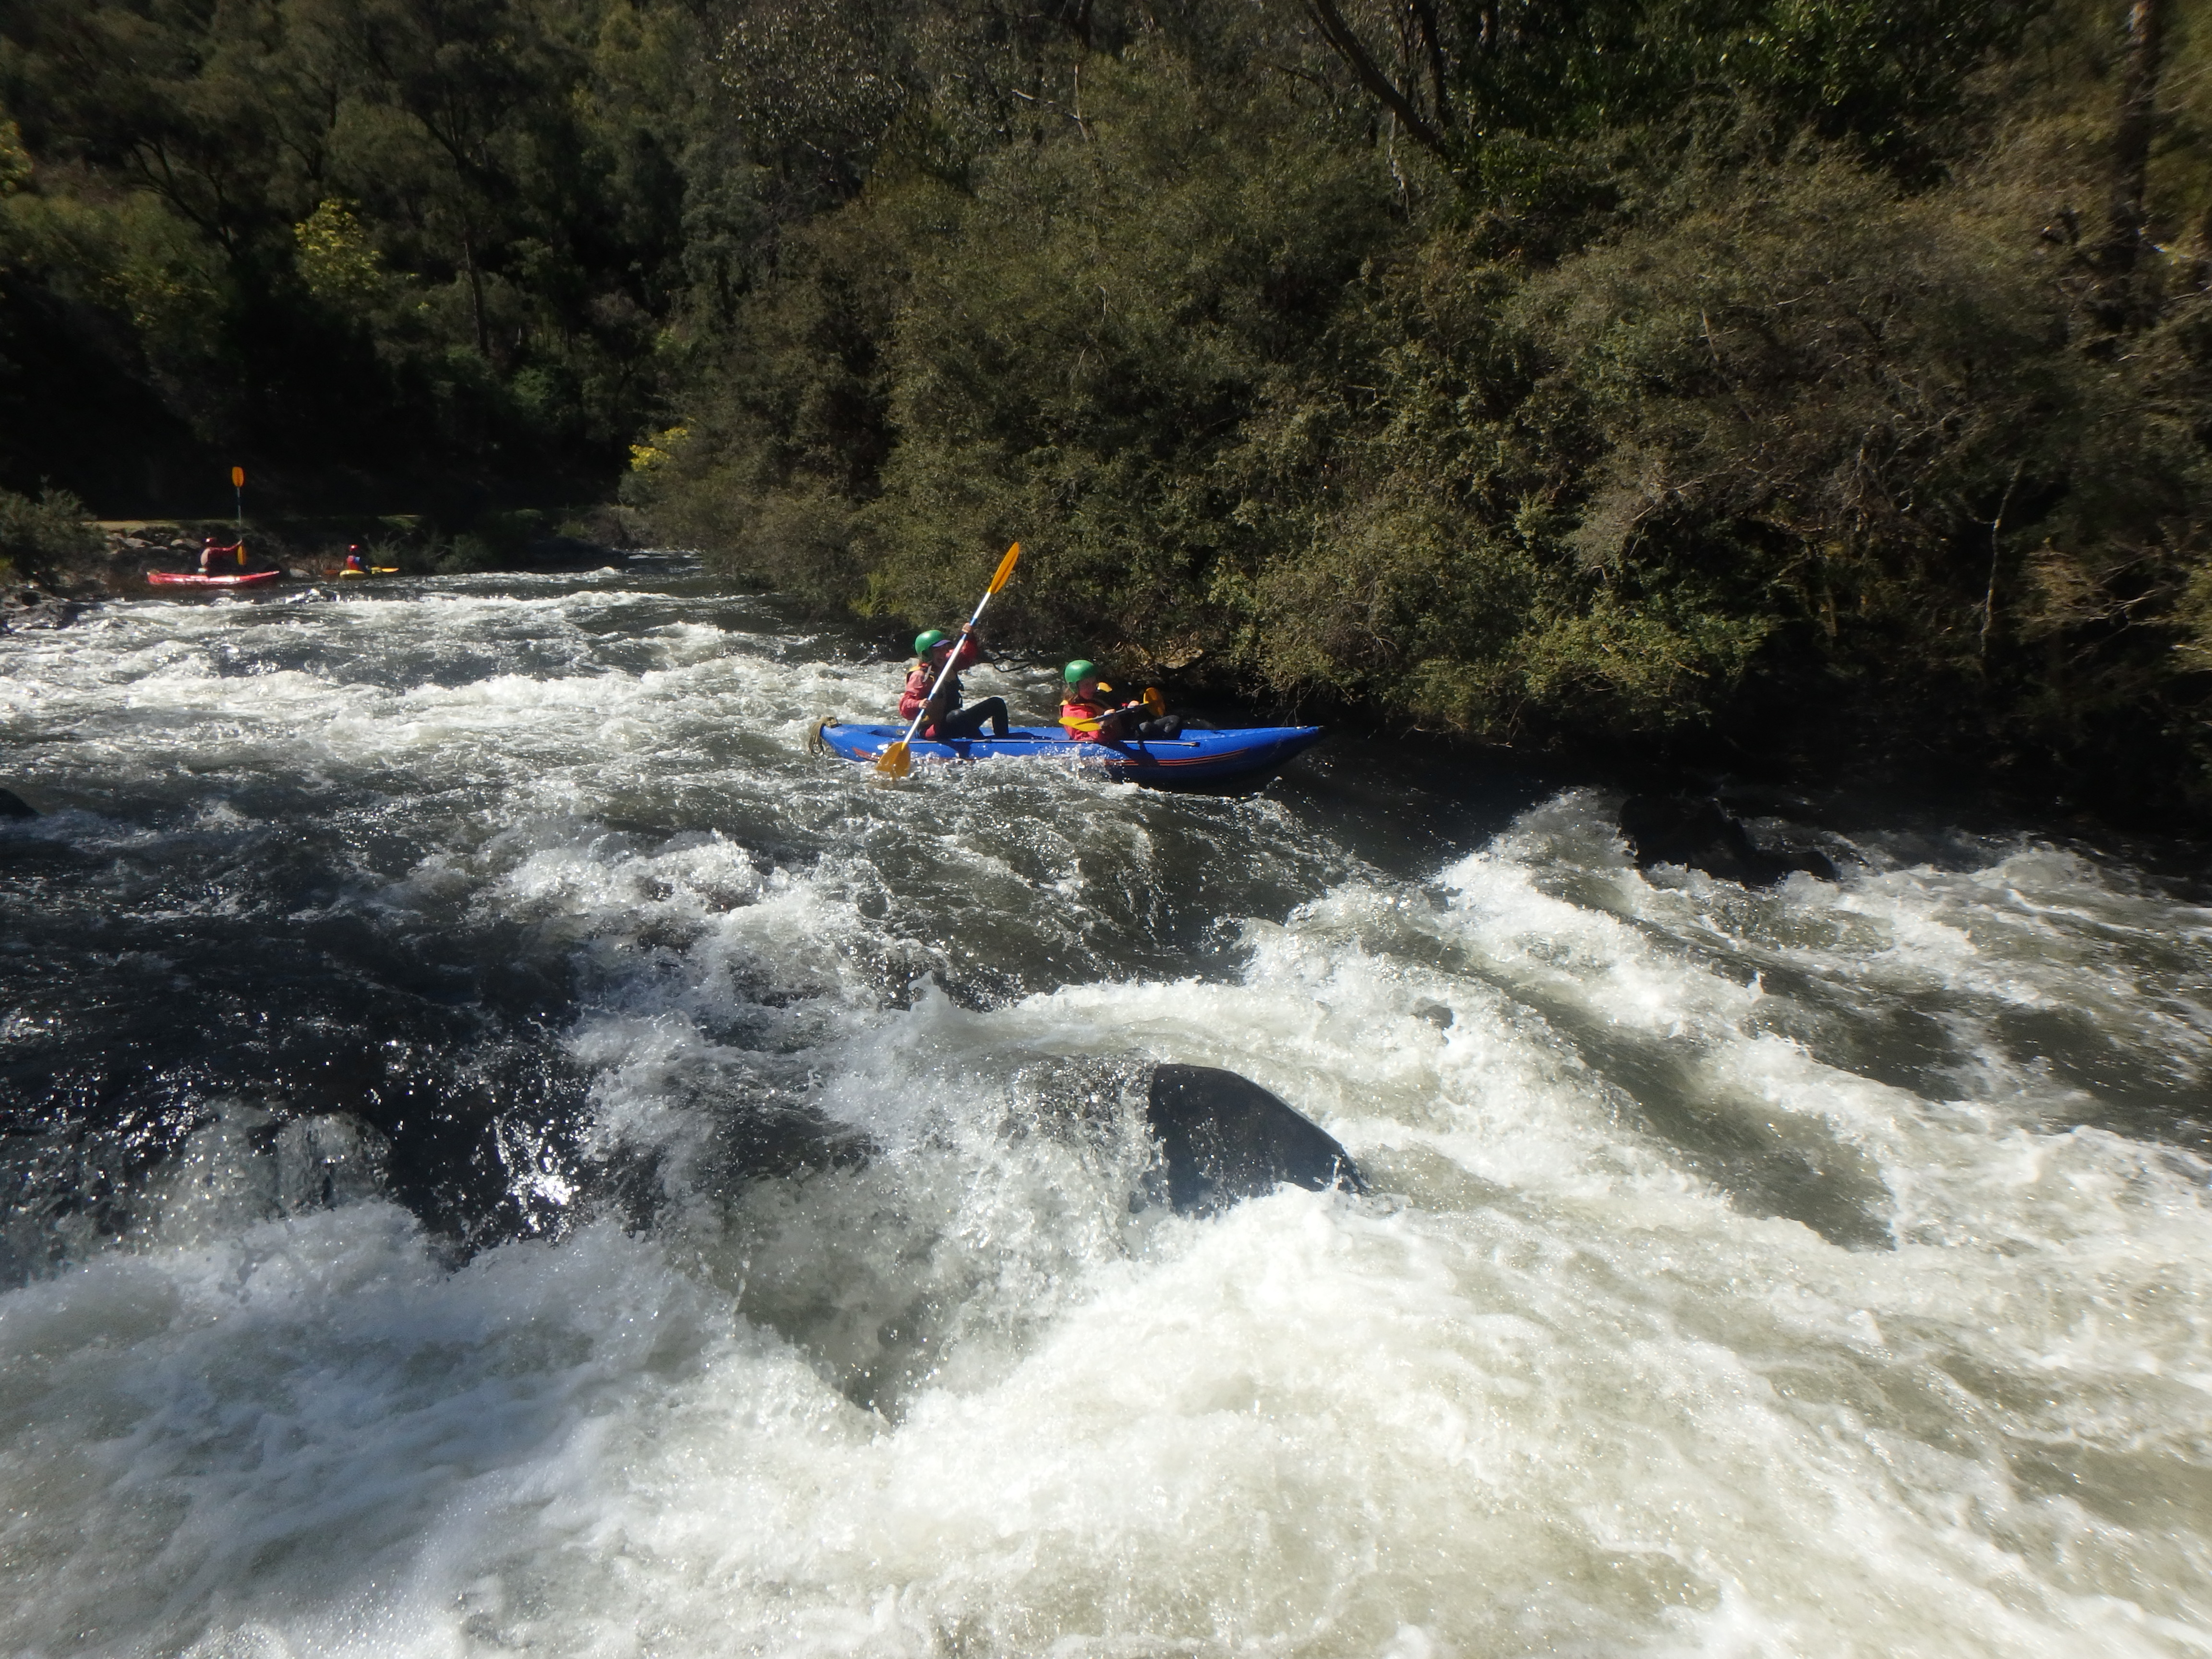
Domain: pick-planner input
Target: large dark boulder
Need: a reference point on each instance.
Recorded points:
(32, 607)
(1224, 1138)
(1696, 832)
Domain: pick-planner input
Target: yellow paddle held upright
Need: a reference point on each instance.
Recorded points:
(897, 762)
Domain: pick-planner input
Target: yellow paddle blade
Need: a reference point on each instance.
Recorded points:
(1006, 569)
(1153, 700)
(895, 761)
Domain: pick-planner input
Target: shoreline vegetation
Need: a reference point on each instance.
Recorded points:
(1793, 387)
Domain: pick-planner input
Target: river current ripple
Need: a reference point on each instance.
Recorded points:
(504, 1152)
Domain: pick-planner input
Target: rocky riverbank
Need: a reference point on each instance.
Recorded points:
(55, 565)
(308, 548)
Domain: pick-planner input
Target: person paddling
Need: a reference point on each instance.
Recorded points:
(947, 719)
(1088, 716)
(211, 547)
(353, 561)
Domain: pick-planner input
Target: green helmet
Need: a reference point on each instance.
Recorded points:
(1077, 670)
(926, 642)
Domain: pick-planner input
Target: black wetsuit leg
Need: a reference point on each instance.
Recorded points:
(968, 722)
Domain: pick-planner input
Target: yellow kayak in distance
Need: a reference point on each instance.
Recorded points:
(374, 570)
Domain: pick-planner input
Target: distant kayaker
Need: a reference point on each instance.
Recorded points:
(211, 548)
(353, 560)
(1090, 716)
(947, 719)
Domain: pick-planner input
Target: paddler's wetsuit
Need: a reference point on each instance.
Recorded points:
(951, 721)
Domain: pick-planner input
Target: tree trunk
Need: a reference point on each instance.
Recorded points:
(1346, 46)
(1424, 19)
(476, 292)
(2131, 140)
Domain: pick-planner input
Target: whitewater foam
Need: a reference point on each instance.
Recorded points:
(1804, 1272)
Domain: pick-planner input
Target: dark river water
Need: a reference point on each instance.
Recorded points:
(503, 1151)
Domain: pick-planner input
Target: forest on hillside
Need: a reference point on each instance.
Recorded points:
(1769, 382)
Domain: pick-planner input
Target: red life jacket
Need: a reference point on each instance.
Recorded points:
(918, 681)
(1081, 719)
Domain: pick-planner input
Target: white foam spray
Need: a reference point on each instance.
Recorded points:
(1749, 1274)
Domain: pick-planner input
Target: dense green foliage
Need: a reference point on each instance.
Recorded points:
(1778, 389)
(39, 539)
(350, 241)
(1739, 376)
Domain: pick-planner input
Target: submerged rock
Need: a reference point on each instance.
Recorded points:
(13, 805)
(1224, 1138)
(328, 1159)
(32, 607)
(1698, 833)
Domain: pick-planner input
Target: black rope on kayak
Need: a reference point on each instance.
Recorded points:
(814, 745)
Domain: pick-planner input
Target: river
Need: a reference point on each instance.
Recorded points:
(506, 1152)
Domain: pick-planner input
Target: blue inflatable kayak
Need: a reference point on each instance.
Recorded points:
(1195, 757)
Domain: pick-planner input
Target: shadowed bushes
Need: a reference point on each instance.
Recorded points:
(1698, 434)
(47, 539)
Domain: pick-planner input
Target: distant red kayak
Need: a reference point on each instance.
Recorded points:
(172, 578)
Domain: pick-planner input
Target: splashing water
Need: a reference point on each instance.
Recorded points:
(505, 1153)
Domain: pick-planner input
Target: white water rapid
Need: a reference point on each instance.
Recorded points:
(508, 1154)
